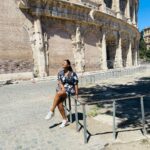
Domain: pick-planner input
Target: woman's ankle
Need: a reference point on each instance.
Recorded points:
(52, 110)
(65, 119)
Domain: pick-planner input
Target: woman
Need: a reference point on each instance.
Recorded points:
(67, 85)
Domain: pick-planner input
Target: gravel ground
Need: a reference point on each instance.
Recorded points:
(22, 110)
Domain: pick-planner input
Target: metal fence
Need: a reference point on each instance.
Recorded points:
(113, 101)
(95, 77)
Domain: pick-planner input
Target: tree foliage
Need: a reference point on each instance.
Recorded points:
(144, 53)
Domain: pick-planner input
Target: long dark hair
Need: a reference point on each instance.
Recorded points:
(69, 63)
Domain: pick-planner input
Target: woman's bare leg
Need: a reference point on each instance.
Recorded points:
(61, 110)
(57, 99)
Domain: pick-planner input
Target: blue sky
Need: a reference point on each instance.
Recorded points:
(144, 14)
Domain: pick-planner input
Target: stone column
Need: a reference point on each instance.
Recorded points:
(29, 27)
(39, 48)
(135, 53)
(103, 51)
(114, 5)
(102, 6)
(128, 11)
(129, 55)
(118, 56)
(134, 15)
(46, 51)
(135, 57)
(79, 54)
(118, 9)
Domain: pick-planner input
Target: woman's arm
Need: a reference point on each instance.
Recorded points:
(75, 79)
(76, 90)
(61, 86)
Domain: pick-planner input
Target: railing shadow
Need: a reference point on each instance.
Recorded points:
(128, 110)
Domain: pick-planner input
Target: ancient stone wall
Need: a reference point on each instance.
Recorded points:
(92, 51)
(59, 44)
(15, 47)
(40, 34)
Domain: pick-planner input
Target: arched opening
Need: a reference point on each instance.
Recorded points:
(131, 10)
(136, 10)
(123, 5)
(108, 3)
(111, 50)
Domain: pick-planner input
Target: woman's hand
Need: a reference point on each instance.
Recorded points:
(63, 90)
(62, 86)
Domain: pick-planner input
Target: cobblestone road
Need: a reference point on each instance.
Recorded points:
(22, 126)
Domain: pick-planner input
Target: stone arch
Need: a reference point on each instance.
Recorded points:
(111, 45)
(92, 50)
(108, 3)
(60, 47)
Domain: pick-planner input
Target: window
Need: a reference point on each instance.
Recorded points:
(108, 3)
(123, 4)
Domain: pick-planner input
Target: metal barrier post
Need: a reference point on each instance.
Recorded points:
(84, 123)
(65, 106)
(70, 111)
(76, 115)
(114, 123)
(143, 115)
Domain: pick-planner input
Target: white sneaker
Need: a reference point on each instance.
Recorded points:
(63, 124)
(49, 116)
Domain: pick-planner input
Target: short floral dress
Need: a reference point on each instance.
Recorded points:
(69, 82)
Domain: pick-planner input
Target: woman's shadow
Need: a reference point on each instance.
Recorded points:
(80, 117)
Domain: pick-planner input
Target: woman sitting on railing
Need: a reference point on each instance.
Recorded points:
(67, 85)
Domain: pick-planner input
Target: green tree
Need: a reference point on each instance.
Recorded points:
(148, 55)
(142, 47)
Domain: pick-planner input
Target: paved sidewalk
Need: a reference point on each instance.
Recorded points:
(22, 110)
(23, 107)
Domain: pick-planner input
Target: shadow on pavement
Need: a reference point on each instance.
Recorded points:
(128, 110)
(54, 125)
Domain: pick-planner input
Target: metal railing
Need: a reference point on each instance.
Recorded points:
(113, 101)
(95, 77)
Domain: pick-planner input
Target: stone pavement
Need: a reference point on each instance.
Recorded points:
(22, 110)
(23, 107)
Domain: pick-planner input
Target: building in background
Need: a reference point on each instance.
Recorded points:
(146, 35)
(37, 35)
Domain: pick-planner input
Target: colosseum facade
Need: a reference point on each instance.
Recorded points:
(93, 34)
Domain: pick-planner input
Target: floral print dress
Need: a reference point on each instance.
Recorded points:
(68, 81)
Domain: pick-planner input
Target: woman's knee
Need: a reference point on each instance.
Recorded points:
(61, 94)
